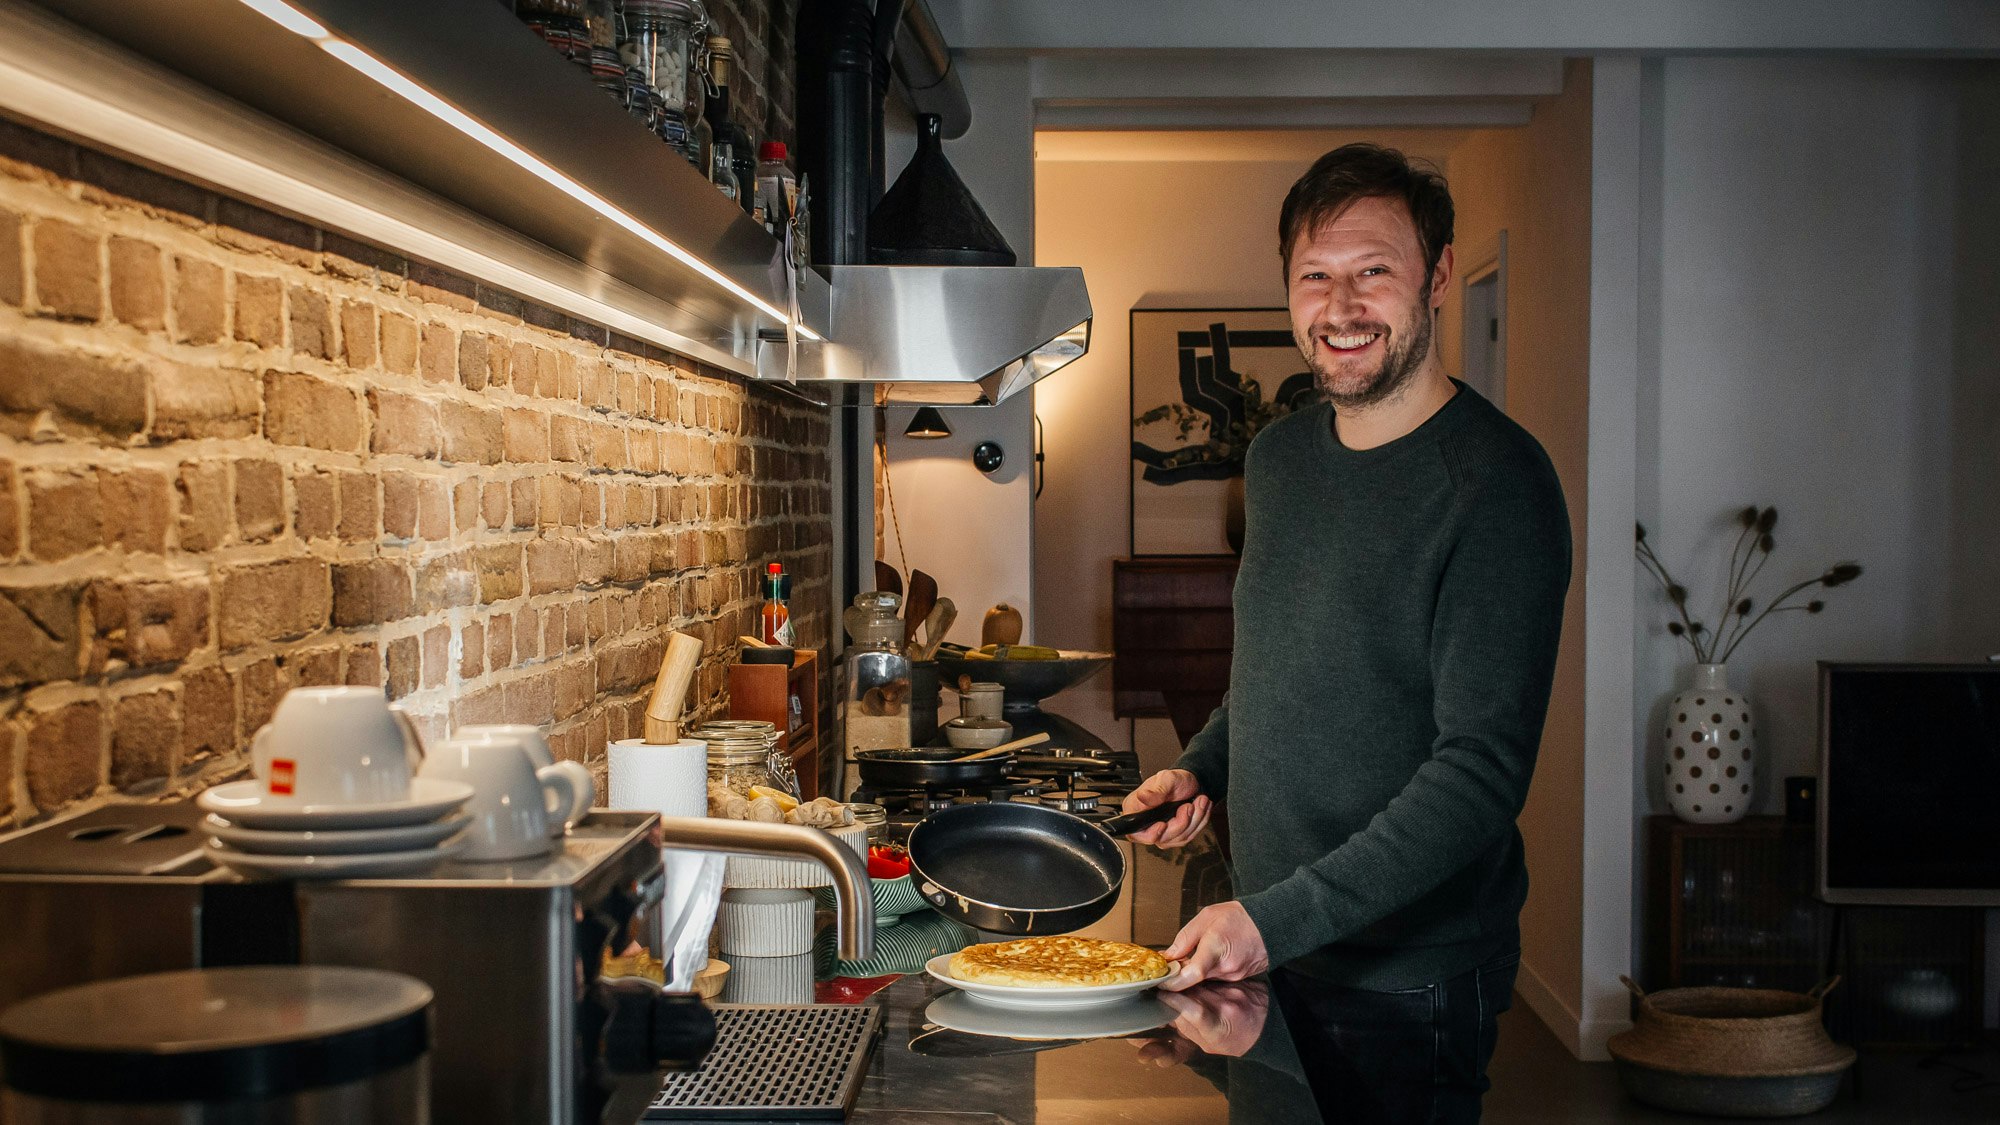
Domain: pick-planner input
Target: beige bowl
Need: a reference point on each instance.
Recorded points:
(708, 982)
(977, 734)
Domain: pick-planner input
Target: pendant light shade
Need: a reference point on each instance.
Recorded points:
(927, 423)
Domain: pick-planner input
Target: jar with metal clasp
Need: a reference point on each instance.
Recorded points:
(665, 45)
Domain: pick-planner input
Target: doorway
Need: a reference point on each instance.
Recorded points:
(1484, 301)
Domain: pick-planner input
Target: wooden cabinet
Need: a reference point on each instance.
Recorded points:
(1172, 628)
(1735, 904)
(766, 692)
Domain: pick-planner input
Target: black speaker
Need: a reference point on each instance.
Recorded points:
(1801, 799)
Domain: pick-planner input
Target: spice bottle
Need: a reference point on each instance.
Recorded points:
(777, 616)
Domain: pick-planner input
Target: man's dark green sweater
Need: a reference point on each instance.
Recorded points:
(1397, 615)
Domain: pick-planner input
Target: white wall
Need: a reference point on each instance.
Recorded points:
(1826, 344)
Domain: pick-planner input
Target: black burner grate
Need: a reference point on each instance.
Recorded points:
(776, 1060)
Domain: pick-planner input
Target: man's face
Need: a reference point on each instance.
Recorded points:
(1361, 309)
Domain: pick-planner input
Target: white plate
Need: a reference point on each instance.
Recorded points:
(244, 803)
(959, 1011)
(1044, 999)
(378, 866)
(350, 841)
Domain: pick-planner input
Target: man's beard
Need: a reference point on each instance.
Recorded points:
(1400, 361)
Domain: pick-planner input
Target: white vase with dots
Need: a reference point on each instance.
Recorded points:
(1711, 750)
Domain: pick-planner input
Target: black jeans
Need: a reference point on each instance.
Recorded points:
(1412, 1057)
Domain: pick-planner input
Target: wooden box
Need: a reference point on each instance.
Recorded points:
(766, 692)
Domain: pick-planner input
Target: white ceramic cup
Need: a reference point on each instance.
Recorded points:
(982, 701)
(335, 746)
(516, 809)
(531, 739)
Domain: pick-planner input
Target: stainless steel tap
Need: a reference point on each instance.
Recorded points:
(854, 911)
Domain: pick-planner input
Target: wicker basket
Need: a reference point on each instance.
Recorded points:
(1731, 1052)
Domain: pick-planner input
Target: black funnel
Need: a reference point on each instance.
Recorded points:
(928, 218)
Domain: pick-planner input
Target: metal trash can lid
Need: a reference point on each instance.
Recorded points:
(214, 1034)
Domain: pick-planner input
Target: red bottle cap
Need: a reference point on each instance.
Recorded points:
(772, 150)
(775, 568)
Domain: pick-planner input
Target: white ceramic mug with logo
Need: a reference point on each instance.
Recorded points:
(517, 810)
(531, 739)
(336, 746)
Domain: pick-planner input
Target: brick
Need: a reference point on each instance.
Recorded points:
(645, 451)
(319, 667)
(208, 715)
(311, 317)
(138, 507)
(525, 435)
(465, 505)
(191, 402)
(145, 733)
(138, 284)
(64, 754)
(315, 509)
(576, 686)
(472, 365)
(438, 359)
(371, 591)
(258, 687)
(85, 393)
(360, 507)
(436, 287)
(551, 565)
(13, 271)
(526, 496)
(357, 334)
(162, 622)
(487, 705)
(500, 642)
(471, 433)
(69, 278)
(65, 514)
(499, 570)
(10, 512)
(569, 379)
(561, 501)
(358, 261)
(204, 514)
(532, 699)
(492, 508)
(593, 561)
(260, 500)
(301, 409)
(404, 424)
(600, 385)
(405, 666)
(433, 510)
(446, 582)
(569, 438)
(245, 226)
(399, 343)
(41, 635)
(472, 651)
(273, 601)
(437, 655)
(527, 635)
(260, 310)
(362, 666)
(400, 505)
(201, 308)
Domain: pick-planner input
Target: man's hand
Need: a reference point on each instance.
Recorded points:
(1187, 822)
(1217, 1018)
(1222, 943)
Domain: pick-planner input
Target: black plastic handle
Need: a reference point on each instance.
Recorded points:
(1131, 822)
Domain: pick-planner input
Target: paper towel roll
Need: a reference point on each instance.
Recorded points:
(670, 780)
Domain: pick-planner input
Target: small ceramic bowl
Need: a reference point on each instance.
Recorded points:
(977, 734)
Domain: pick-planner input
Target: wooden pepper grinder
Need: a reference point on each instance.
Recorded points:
(670, 689)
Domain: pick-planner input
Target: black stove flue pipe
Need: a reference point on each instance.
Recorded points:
(843, 75)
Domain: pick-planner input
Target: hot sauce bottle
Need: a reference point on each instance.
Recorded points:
(777, 619)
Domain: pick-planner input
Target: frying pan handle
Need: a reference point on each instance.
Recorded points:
(1132, 822)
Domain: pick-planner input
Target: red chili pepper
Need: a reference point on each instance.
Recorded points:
(883, 867)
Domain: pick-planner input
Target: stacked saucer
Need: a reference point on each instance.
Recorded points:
(256, 835)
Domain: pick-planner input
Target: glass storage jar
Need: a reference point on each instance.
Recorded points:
(740, 735)
(665, 45)
(875, 682)
(738, 759)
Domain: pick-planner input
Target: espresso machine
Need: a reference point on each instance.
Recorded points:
(524, 1029)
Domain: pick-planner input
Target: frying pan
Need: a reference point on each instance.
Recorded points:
(1022, 869)
(930, 767)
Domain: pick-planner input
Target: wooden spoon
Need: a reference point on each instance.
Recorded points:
(1031, 740)
(888, 578)
(923, 595)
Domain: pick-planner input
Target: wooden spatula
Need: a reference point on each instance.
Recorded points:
(888, 578)
(923, 595)
(1006, 747)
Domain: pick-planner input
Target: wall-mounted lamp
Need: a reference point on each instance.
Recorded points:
(987, 455)
(927, 422)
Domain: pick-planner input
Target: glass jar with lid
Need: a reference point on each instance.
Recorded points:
(736, 758)
(875, 691)
(875, 818)
(665, 45)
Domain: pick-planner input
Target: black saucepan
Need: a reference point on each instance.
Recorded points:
(930, 767)
(1022, 869)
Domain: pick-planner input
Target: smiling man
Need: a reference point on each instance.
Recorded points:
(1398, 608)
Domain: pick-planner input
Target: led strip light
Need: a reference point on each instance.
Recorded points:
(297, 22)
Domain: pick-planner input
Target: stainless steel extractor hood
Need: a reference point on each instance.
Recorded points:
(938, 335)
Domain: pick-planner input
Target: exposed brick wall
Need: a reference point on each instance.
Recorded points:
(238, 454)
(762, 91)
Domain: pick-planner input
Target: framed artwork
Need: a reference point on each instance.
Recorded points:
(1204, 382)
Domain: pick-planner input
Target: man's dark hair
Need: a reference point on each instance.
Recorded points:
(1364, 171)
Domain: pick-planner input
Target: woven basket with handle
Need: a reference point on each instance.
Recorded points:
(1749, 1052)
